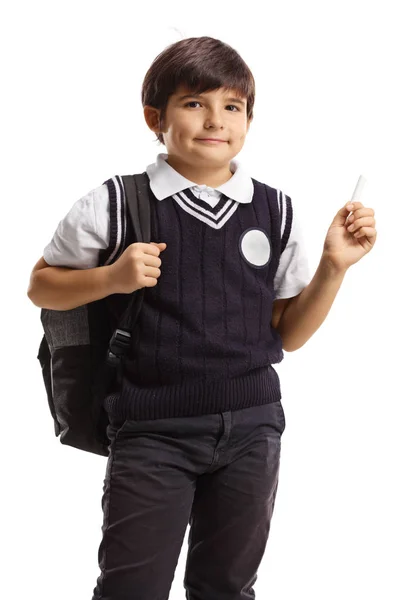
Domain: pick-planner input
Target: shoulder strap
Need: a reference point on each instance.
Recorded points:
(137, 199)
(138, 203)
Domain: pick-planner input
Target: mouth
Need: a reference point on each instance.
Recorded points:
(211, 140)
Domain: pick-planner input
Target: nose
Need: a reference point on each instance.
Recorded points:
(213, 119)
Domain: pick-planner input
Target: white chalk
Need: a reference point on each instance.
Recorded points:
(358, 189)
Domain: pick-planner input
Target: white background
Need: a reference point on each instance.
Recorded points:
(326, 110)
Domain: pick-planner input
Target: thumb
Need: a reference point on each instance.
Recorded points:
(159, 244)
(342, 214)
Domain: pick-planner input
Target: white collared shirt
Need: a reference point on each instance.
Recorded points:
(86, 228)
(165, 181)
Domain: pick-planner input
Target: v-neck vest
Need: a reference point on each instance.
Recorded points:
(204, 340)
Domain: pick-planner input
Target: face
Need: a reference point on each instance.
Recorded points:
(191, 121)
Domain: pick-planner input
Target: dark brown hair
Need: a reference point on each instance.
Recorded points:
(202, 64)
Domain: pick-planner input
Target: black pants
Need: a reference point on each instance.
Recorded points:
(217, 472)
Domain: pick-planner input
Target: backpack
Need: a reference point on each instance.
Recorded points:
(82, 350)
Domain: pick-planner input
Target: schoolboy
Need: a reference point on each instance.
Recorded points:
(196, 429)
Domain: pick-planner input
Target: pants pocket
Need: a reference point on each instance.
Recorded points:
(281, 415)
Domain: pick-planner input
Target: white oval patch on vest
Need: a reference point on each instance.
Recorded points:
(255, 247)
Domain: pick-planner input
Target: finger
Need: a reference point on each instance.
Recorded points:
(152, 272)
(152, 261)
(349, 209)
(362, 212)
(354, 205)
(363, 222)
(343, 214)
(152, 249)
(369, 232)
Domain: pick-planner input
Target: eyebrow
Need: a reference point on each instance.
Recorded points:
(238, 100)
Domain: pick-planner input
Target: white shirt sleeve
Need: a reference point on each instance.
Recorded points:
(82, 233)
(293, 273)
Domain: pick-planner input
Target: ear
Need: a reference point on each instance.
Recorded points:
(152, 118)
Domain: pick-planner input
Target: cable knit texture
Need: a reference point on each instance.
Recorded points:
(204, 341)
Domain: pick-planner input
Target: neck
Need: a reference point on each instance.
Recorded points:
(212, 177)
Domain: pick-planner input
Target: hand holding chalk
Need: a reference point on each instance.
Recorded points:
(342, 250)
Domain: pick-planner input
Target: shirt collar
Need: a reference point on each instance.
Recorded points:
(165, 181)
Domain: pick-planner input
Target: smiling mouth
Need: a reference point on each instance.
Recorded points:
(211, 141)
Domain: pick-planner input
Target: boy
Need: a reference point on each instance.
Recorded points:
(196, 429)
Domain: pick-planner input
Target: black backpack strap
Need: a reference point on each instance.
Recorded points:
(138, 203)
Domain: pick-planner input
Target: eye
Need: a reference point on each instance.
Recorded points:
(229, 105)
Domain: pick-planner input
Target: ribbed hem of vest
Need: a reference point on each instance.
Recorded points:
(260, 386)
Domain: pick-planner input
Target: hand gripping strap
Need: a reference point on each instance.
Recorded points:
(138, 202)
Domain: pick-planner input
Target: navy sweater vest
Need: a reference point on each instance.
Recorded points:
(204, 342)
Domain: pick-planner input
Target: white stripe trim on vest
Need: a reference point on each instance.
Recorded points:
(203, 218)
(284, 209)
(206, 212)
